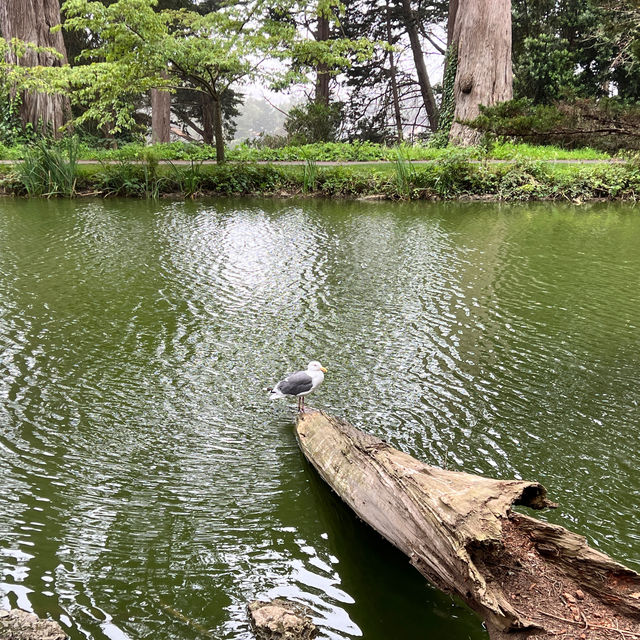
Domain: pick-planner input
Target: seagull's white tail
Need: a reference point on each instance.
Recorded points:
(274, 394)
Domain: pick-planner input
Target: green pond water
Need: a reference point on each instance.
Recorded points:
(149, 489)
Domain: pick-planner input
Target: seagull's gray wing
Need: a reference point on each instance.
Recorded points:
(295, 384)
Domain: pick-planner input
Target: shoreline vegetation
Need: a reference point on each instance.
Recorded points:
(501, 172)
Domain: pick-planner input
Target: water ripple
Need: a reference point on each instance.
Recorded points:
(152, 489)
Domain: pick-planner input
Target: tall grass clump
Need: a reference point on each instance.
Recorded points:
(405, 176)
(153, 182)
(190, 179)
(49, 171)
(310, 176)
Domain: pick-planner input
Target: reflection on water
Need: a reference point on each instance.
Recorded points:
(151, 490)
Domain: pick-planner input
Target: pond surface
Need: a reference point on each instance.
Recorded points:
(150, 489)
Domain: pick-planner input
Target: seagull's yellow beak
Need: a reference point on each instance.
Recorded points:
(323, 369)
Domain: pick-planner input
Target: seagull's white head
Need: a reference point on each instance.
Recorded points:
(314, 365)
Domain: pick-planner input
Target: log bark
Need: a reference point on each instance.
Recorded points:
(523, 576)
(481, 34)
(31, 21)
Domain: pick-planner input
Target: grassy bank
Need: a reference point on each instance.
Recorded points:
(454, 176)
(330, 151)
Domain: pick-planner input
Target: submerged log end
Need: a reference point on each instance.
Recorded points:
(534, 496)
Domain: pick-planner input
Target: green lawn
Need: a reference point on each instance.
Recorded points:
(343, 152)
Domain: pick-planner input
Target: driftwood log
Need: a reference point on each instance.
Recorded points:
(524, 577)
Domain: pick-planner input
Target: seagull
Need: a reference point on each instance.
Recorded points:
(299, 384)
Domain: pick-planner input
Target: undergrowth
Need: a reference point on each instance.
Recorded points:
(48, 171)
(455, 176)
(318, 152)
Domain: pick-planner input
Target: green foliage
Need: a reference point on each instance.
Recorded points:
(455, 175)
(523, 180)
(506, 150)
(310, 176)
(607, 124)
(544, 70)
(152, 180)
(342, 152)
(121, 178)
(321, 152)
(574, 46)
(447, 109)
(141, 48)
(144, 179)
(405, 176)
(452, 176)
(313, 122)
(10, 125)
(520, 118)
(246, 179)
(189, 179)
(306, 55)
(48, 171)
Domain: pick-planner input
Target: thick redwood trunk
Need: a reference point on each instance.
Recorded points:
(31, 21)
(160, 115)
(428, 98)
(526, 578)
(481, 34)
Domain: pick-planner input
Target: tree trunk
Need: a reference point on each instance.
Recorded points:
(482, 36)
(207, 119)
(429, 100)
(322, 80)
(525, 577)
(217, 129)
(31, 21)
(160, 115)
(451, 20)
(394, 81)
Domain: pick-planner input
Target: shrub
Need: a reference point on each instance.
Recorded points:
(544, 68)
(607, 124)
(314, 122)
(120, 179)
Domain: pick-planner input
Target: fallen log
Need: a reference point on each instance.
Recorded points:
(523, 576)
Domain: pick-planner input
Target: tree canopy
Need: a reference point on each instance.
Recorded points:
(367, 64)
